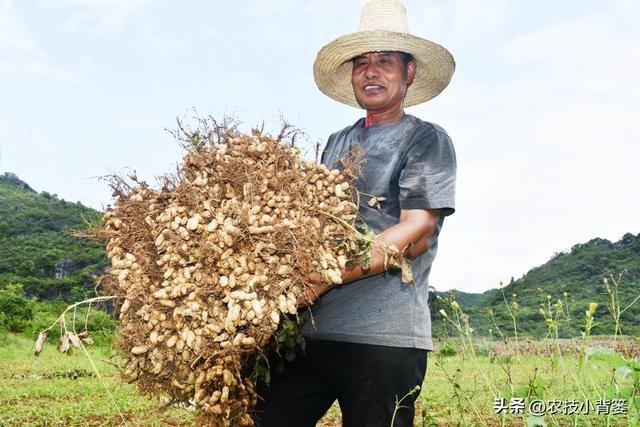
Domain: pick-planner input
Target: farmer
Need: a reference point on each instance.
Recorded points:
(367, 340)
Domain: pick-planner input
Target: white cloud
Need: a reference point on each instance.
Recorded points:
(22, 58)
(6, 135)
(588, 55)
(100, 16)
(269, 8)
(462, 21)
(14, 36)
(547, 149)
(26, 69)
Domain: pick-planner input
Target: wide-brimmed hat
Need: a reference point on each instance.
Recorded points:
(383, 27)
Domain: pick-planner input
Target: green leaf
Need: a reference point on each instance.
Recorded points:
(366, 263)
(624, 372)
(351, 264)
(288, 325)
(625, 392)
(535, 421)
(595, 351)
(537, 388)
(606, 355)
(635, 365)
(290, 343)
(542, 382)
(611, 393)
(506, 393)
(505, 359)
(521, 391)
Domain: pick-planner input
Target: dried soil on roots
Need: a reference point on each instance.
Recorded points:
(208, 264)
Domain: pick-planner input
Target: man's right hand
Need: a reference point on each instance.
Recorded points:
(312, 291)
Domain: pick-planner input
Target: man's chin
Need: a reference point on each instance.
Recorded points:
(369, 104)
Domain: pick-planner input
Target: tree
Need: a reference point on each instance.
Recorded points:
(16, 310)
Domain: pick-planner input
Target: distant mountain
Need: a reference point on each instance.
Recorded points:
(579, 273)
(467, 299)
(11, 179)
(37, 251)
(36, 248)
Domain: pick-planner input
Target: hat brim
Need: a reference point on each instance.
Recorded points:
(332, 67)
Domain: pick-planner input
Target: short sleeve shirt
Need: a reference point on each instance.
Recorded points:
(412, 164)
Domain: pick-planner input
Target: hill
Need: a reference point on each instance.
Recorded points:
(38, 252)
(36, 249)
(575, 278)
(466, 299)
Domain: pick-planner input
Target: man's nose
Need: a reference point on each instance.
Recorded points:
(371, 71)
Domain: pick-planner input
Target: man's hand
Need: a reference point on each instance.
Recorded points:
(412, 235)
(313, 290)
(312, 293)
(423, 243)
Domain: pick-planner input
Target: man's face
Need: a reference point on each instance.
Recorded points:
(380, 80)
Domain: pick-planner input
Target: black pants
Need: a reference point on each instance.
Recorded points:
(366, 380)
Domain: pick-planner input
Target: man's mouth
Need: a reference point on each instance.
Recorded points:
(372, 88)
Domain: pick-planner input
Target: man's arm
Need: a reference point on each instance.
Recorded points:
(415, 228)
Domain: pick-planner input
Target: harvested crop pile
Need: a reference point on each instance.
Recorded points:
(209, 264)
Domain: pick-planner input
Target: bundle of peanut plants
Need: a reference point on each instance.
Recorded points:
(206, 267)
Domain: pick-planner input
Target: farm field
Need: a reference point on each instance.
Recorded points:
(460, 389)
(467, 388)
(55, 389)
(487, 363)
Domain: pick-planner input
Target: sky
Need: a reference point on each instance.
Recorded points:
(543, 107)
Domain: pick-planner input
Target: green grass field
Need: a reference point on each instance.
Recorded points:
(460, 389)
(59, 390)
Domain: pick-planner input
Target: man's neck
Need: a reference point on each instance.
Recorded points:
(383, 117)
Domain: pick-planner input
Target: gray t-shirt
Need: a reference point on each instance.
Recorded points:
(412, 163)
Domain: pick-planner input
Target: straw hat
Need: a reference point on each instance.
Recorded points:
(383, 27)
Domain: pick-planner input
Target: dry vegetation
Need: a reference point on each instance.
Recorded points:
(208, 265)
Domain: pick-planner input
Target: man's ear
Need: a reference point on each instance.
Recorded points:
(411, 72)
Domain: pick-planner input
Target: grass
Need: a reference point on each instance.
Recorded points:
(59, 390)
(601, 375)
(56, 389)
(467, 375)
(458, 390)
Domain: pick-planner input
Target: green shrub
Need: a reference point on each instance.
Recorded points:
(4, 336)
(100, 324)
(447, 351)
(16, 310)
